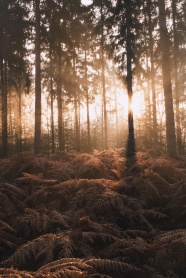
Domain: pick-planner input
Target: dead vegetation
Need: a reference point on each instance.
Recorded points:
(86, 215)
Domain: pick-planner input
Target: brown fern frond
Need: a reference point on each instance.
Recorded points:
(68, 273)
(100, 228)
(8, 241)
(116, 249)
(13, 273)
(36, 166)
(40, 251)
(93, 169)
(6, 205)
(168, 237)
(60, 175)
(10, 189)
(33, 223)
(32, 179)
(102, 265)
(153, 214)
(71, 265)
(61, 261)
(58, 219)
(151, 272)
(6, 226)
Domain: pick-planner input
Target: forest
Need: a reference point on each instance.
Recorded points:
(70, 73)
(92, 139)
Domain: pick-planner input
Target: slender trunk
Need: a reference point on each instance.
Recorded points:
(131, 141)
(148, 94)
(87, 102)
(176, 80)
(77, 139)
(167, 85)
(4, 109)
(19, 123)
(59, 101)
(52, 100)
(103, 79)
(37, 136)
(117, 125)
(152, 75)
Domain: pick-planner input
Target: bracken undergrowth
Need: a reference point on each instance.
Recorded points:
(91, 215)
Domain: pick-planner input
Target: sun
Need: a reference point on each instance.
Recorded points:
(137, 104)
(86, 2)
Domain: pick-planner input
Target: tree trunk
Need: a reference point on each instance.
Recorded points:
(103, 79)
(77, 138)
(59, 101)
(87, 102)
(4, 108)
(176, 79)
(131, 141)
(37, 136)
(167, 86)
(152, 75)
(19, 122)
(52, 100)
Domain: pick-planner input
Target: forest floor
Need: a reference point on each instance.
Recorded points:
(90, 215)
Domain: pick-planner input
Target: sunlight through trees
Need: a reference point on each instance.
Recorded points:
(78, 62)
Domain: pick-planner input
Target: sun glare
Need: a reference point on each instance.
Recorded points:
(86, 2)
(137, 104)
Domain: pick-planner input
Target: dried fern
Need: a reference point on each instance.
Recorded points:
(41, 251)
(102, 265)
(13, 273)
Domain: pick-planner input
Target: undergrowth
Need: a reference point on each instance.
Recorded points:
(88, 215)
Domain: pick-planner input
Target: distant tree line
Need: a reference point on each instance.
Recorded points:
(71, 54)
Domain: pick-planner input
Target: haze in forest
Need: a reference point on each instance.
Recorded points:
(85, 75)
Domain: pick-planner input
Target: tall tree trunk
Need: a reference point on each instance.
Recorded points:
(103, 79)
(37, 136)
(87, 102)
(131, 141)
(3, 69)
(116, 114)
(52, 100)
(152, 76)
(176, 79)
(4, 108)
(77, 138)
(167, 85)
(148, 127)
(59, 100)
(19, 122)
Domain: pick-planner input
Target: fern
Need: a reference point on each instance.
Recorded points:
(151, 272)
(41, 251)
(102, 265)
(168, 237)
(13, 273)
(72, 264)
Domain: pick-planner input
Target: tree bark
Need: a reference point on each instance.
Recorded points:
(152, 76)
(87, 102)
(131, 141)
(52, 100)
(37, 136)
(103, 80)
(167, 85)
(176, 79)
(4, 108)
(59, 101)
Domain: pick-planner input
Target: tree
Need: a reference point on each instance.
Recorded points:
(131, 141)
(167, 85)
(37, 136)
(175, 74)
